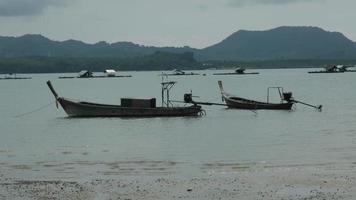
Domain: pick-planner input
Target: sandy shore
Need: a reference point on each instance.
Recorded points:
(299, 183)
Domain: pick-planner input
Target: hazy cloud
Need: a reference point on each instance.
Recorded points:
(27, 7)
(266, 2)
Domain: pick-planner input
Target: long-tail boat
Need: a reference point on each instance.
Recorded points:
(286, 103)
(128, 108)
(242, 103)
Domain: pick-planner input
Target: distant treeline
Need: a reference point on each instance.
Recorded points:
(156, 61)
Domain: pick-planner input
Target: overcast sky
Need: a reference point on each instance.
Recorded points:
(195, 23)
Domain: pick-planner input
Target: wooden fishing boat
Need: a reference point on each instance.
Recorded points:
(238, 71)
(242, 103)
(128, 107)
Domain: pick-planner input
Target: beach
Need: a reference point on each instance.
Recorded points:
(292, 182)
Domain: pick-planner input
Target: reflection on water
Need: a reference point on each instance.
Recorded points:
(46, 143)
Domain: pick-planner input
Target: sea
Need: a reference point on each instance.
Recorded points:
(39, 142)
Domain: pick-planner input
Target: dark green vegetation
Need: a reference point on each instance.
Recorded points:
(283, 47)
(156, 61)
(37, 45)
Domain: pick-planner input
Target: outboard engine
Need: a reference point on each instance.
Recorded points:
(287, 96)
(188, 98)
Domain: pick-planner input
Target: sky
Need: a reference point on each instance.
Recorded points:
(194, 23)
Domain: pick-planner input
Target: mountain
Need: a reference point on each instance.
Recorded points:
(281, 43)
(275, 44)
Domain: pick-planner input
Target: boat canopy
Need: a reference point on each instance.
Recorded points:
(240, 70)
(177, 71)
(344, 67)
(330, 68)
(110, 72)
(85, 73)
(339, 68)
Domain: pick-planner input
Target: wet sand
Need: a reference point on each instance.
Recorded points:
(286, 182)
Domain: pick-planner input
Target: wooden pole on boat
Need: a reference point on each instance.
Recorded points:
(52, 89)
(53, 92)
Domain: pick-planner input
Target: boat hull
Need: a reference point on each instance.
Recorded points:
(17, 78)
(69, 77)
(86, 109)
(240, 103)
(186, 74)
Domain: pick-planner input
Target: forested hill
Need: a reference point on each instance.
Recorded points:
(38, 45)
(282, 43)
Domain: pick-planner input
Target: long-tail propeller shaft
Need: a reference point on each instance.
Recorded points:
(319, 107)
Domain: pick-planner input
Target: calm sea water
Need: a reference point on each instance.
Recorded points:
(47, 144)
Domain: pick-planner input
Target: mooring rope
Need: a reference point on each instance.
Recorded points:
(36, 110)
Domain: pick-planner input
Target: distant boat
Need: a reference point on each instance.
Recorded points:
(238, 71)
(109, 73)
(242, 103)
(128, 108)
(335, 69)
(178, 72)
(13, 76)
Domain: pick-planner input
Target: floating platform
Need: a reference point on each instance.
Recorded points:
(186, 74)
(178, 72)
(69, 77)
(327, 72)
(15, 78)
(335, 69)
(324, 72)
(237, 71)
(234, 73)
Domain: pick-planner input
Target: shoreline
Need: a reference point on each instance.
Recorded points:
(303, 182)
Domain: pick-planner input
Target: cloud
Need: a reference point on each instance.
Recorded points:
(11, 8)
(265, 2)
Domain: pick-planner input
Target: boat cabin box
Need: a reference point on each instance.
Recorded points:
(138, 103)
